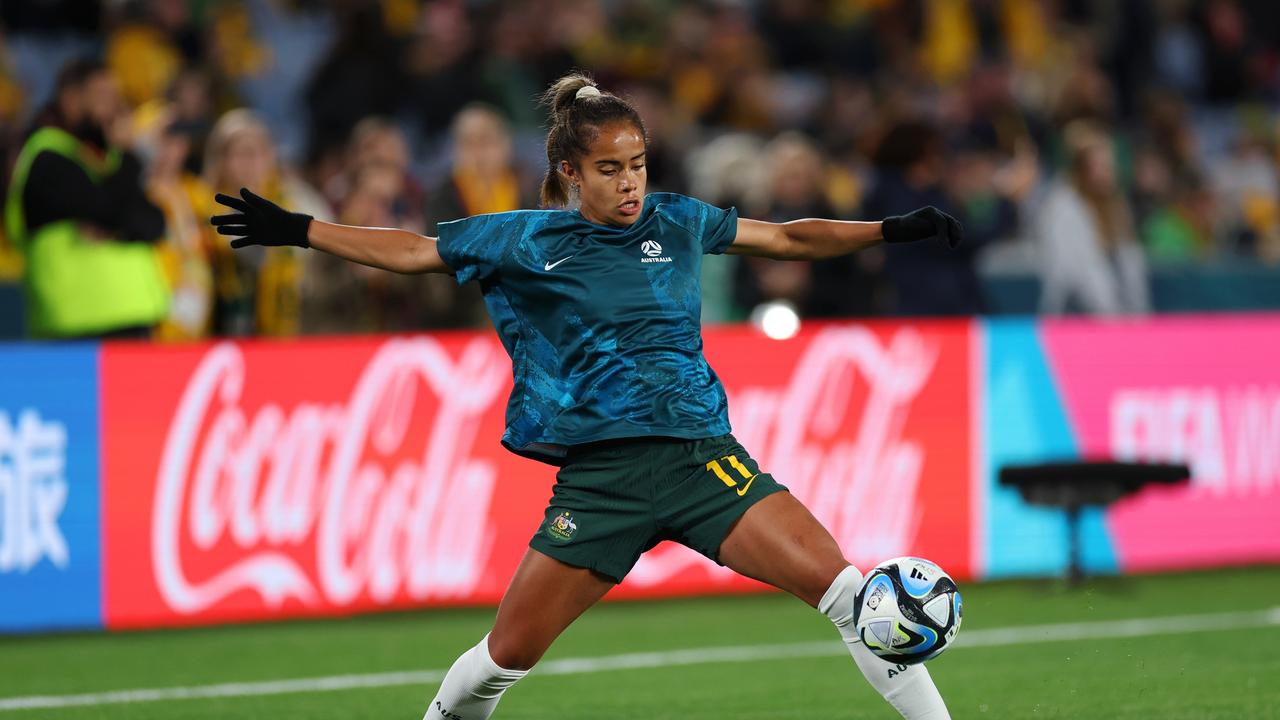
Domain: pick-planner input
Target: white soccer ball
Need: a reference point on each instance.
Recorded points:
(908, 610)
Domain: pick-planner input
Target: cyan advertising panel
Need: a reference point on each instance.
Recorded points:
(50, 556)
(1027, 423)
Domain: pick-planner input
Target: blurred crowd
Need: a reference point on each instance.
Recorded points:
(1086, 141)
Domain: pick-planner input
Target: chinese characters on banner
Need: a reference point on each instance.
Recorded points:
(50, 562)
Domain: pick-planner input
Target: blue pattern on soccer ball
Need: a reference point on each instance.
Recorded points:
(930, 640)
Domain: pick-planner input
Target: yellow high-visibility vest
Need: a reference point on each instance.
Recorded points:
(75, 284)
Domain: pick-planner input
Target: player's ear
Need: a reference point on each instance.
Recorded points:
(569, 172)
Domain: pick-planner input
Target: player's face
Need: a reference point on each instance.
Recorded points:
(611, 176)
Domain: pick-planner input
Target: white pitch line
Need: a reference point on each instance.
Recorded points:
(1019, 635)
(1104, 629)
(240, 689)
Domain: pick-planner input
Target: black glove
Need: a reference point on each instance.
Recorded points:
(260, 222)
(922, 224)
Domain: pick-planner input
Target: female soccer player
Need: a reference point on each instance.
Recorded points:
(599, 309)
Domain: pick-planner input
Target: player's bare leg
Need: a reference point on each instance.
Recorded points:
(545, 596)
(778, 541)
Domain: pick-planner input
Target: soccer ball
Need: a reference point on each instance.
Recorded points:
(907, 611)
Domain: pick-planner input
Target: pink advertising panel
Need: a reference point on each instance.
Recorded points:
(1201, 390)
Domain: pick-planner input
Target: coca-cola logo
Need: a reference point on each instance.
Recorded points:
(856, 473)
(250, 488)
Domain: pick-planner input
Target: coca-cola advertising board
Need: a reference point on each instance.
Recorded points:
(260, 480)
(147, 485)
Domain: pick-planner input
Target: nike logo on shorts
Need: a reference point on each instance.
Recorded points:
(551, 265)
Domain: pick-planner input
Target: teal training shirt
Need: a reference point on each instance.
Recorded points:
(602, 323)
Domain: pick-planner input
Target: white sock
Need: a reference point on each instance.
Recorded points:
(908, 688)
(472, 687)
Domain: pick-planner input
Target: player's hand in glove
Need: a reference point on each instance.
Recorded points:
(923, 224)
(258, 221)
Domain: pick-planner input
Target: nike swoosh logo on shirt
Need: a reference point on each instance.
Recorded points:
(551, 265)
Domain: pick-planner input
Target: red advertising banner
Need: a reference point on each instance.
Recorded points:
(261, 480)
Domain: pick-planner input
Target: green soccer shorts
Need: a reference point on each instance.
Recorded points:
(615, 500)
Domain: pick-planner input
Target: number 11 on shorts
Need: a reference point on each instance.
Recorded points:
(715, 467)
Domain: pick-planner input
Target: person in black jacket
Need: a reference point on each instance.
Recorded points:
(910, 164)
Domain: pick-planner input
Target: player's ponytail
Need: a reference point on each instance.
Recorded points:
(577, 110)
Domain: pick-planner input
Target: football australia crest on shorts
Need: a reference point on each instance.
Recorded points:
(562, 527)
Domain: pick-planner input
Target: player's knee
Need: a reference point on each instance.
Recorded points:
(823, 577)
(513, 653)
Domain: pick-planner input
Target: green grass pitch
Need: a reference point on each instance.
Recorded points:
(1228, 667)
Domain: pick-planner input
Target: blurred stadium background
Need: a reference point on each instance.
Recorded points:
(1117, 169)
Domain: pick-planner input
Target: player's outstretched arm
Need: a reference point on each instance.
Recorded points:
(815, 239)
(258, 221)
